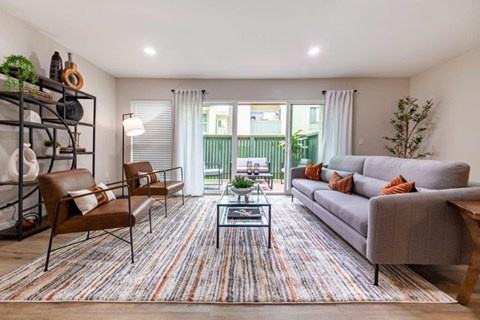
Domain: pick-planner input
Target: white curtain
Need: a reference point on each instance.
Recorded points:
(188, 139)
(337, 124)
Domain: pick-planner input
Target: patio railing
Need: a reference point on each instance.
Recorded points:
(217, 149)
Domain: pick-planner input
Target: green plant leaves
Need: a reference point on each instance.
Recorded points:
(18, 69)
(411, 124)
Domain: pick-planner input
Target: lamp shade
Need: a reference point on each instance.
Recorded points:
(133, 127)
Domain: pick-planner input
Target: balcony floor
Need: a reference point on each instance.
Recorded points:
(212, 186)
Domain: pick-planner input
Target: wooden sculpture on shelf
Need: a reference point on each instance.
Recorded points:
(70, 75)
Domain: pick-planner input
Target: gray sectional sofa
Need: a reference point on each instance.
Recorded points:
(412, 228)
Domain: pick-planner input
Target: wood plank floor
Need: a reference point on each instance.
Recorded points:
(14, 254)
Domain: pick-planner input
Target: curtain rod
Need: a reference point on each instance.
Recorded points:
(203, 91)
(325, 91)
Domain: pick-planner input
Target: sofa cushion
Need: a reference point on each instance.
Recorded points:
(398, 185)
(326, 174)
(312, 172)
(347, 163)
(430, 174)
(340, 184)
(366, 186)
(308, 187)
(351, 209)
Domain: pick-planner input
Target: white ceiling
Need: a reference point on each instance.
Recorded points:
(257, 38)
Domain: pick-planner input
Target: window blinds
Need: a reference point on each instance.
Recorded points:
(156, 144)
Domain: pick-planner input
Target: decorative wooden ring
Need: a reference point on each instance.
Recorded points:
(72, 72)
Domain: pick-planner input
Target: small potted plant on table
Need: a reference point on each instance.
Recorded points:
(242, 185)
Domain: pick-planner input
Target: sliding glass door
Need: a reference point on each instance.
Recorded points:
(304, 136)
(276, 136)
(217, 145)
(260, 134)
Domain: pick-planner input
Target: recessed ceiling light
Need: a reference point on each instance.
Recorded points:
(149, 51)
(314, 51)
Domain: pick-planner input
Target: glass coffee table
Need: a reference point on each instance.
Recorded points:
(253, 211)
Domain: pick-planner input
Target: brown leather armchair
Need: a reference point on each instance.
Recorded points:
(161, 188)
(65, 217)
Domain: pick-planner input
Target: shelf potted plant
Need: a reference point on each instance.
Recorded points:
(242, 185)
(19, 69)
(49, 144)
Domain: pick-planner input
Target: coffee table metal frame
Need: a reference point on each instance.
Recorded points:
(256, 199)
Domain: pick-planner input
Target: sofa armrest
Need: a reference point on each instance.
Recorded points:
(419, 228)
(296, 173)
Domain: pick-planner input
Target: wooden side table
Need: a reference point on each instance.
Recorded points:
(470, 211)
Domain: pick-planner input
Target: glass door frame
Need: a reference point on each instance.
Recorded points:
(288, 131)
(288, 135)
(233, 105)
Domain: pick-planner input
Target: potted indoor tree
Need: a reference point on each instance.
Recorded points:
(18, 69)
(411, 123)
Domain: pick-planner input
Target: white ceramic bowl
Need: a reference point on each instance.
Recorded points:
(242, 191)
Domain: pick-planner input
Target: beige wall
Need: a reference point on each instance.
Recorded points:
(18, 38)
(375, 101)
(454, 87)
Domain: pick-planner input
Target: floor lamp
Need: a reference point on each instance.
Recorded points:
(132, 127)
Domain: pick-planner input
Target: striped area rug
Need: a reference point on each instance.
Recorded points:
(179, 262)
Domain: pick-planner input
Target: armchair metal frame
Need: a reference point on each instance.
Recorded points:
(214, 166)
(69, 198)
(164, 171)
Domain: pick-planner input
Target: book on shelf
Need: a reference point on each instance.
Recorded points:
(244, 214)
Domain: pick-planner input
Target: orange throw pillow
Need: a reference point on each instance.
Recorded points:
(398, 185)
(312, 172)
(343, 185)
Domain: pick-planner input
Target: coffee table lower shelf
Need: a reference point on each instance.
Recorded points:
(265, 220)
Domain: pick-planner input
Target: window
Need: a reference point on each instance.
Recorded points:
(204, 123)
(313, 115)
(156, 144)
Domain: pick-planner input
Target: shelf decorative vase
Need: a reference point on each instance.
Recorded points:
(29, 160)
(73, 109)
(49, 151)
(56, 67)
(70, 74)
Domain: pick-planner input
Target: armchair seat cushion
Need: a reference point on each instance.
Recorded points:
(212, 172)
(158, 188)
(113, 214)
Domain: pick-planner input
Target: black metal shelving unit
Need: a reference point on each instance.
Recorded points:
(50, 123)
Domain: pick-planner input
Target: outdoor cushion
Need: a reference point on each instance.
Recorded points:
(212, 172)
(244, 169)
(366, 186)
(351, 209)
(242, 162)
(308, 187)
